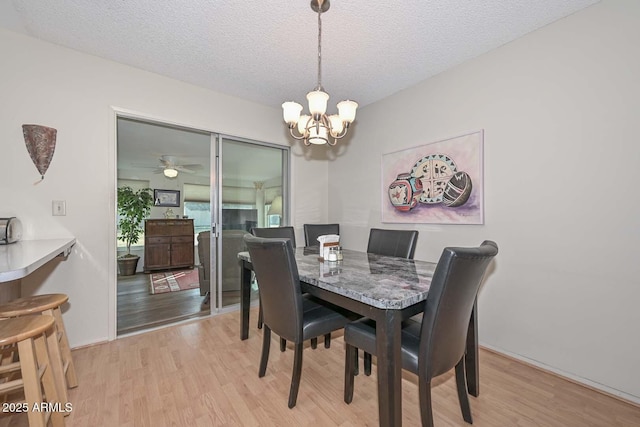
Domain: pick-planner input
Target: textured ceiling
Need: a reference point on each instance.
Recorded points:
(266, 51)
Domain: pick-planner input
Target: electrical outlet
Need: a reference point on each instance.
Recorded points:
(59, 207)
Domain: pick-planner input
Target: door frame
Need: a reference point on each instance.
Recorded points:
(112, 273)
(215, 180)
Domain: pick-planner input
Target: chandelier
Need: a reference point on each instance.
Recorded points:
(318, 128)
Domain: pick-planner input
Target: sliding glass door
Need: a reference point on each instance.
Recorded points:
(253, 180)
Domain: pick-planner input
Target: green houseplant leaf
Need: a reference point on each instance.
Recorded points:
(133, 208)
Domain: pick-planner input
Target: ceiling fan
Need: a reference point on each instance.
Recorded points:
(170, 167)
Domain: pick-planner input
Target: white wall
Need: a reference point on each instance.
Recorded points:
(558, 107)
(560, 110)
(76, 93)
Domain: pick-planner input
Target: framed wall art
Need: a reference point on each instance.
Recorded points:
(436, 183)
(168, 198)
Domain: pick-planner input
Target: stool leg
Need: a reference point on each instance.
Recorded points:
(49, 381)
(65, 350)
(57, 364)
(31, 379)
(9, 354)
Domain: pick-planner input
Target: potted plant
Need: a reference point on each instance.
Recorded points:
(134, 207)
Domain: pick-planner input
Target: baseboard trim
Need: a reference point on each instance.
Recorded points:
(592, 385)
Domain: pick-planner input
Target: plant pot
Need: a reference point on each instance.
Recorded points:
(127, 266)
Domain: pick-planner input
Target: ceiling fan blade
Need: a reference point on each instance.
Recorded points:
(192, 166)
(183, 169)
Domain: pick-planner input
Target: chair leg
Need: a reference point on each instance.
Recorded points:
(259, 313)
(264, 358)
(350, 362)
(295, 377)
(461, 385)
(367, 363)
(426, 414)
(314, 343)
(283, 344)
(327, 340)
(356, 362)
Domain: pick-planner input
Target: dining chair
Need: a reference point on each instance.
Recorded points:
(398, 243)
(436, 344)
(313, 231)
(286, 232)
(286, 311)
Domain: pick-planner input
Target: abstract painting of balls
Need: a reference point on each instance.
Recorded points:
(436, 183)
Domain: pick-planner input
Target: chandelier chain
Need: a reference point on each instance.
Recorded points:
(319, 47)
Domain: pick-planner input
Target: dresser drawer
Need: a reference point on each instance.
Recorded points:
(158, 240)
(182, 239)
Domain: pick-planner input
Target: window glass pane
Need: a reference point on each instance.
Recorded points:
(201, 214)
(196, 192)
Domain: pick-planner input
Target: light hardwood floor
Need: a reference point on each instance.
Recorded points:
(201, 374)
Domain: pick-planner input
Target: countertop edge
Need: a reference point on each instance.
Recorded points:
(51, 249)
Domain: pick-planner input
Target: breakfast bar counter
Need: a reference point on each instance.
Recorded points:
(20, 259)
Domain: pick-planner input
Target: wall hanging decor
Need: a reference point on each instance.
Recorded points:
(41, 143)
(436, 183)
(167, 198)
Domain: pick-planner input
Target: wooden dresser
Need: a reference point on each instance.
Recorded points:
(168, 243)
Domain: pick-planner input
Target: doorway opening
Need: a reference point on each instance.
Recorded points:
(223, 187)
(165, 159)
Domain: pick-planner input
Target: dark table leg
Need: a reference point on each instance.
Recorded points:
(389, 368)
(245, 299)
(471, 360)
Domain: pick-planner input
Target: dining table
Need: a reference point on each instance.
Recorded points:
(383, 288)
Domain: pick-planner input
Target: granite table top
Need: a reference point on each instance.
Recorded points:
(379, 281)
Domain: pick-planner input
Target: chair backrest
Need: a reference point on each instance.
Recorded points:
(274, 264)
(276, 233)
(232, 243)
(312, 231)
(204, 252)
(448, 308)
(398, 243)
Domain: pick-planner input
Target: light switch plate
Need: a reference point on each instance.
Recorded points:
(59, 207)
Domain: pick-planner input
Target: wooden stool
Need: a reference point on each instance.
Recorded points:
(30, 334)
(49, 305)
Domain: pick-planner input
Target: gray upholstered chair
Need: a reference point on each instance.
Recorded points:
(285, 310)
(313, 231)
(232, 243)
(204, 264)
(437, 343)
